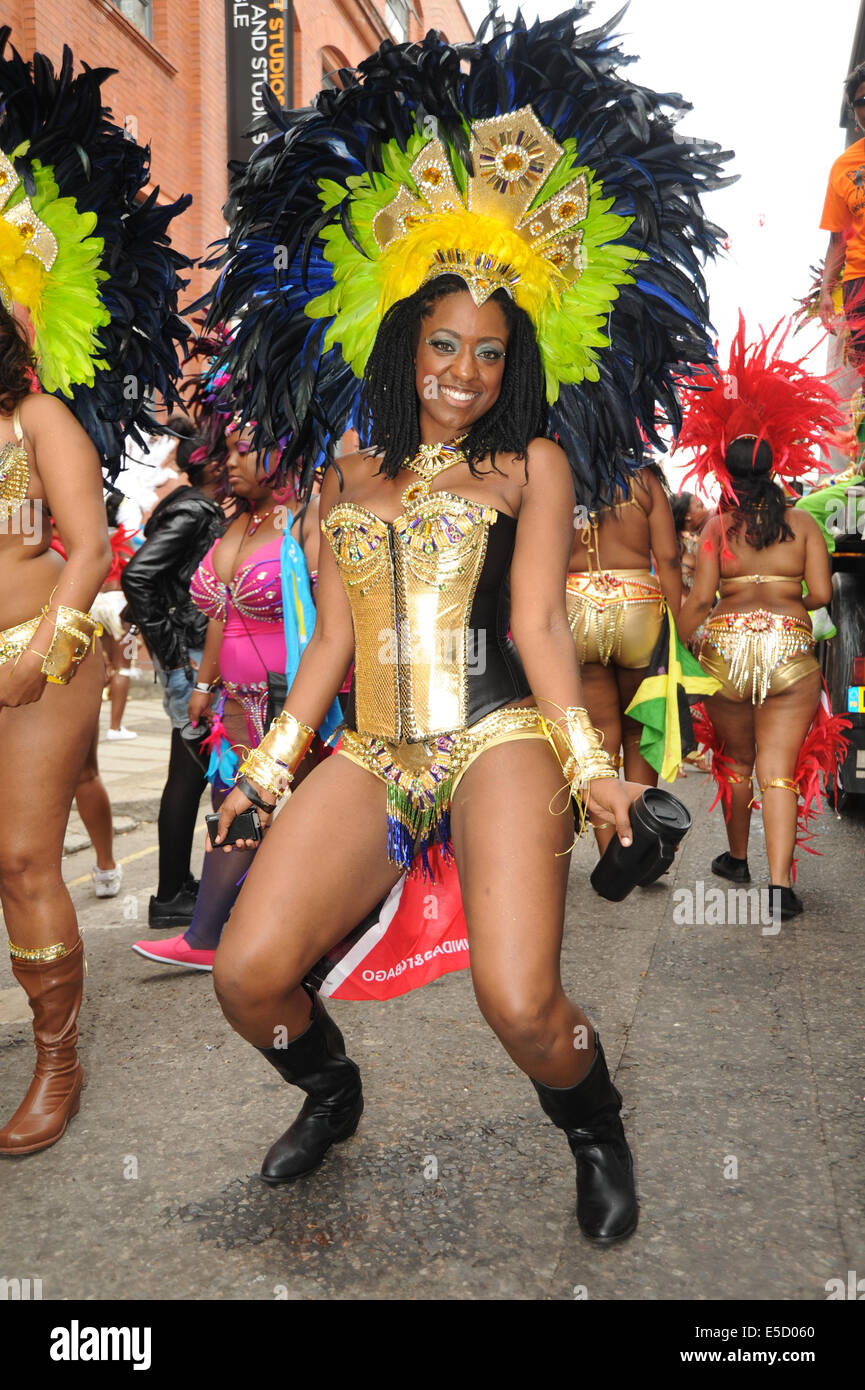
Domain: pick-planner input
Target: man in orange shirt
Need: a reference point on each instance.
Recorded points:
(844, 218)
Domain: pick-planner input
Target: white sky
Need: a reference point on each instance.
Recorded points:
(765, 80)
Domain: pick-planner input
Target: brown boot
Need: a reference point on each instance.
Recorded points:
(54, 990)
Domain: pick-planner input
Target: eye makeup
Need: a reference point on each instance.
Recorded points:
(490, 352)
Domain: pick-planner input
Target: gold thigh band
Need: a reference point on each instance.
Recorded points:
(15, 640)
(421, 778)
(757, 654)
(615, 616)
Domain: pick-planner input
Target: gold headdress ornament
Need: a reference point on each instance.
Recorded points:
(513, 156)
(523, 161)
(23, 239)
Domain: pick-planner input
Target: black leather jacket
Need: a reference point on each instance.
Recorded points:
(178, 535)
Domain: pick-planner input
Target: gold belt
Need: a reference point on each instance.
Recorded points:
(754, 644)
(605, 587)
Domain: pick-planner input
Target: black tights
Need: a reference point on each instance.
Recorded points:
(178, 811)
(221, 880)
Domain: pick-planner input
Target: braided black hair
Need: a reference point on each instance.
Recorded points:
(762, 506)
(389, 420)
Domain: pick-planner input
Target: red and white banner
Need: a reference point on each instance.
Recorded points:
(417, 934)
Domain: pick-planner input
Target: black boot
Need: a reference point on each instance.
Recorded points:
(316, 1062)
(589, 1115)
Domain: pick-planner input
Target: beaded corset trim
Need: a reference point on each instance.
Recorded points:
(14, 472)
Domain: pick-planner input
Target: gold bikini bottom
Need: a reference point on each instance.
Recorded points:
(615, 616)
(16, 639)
(421, 778)
(757, 654)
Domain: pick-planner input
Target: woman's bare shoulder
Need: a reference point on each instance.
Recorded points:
(40, 409)
(802, 523)
(349, 470)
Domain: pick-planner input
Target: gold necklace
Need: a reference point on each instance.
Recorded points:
(432, 459)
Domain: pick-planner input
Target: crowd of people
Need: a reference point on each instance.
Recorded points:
(486, 407)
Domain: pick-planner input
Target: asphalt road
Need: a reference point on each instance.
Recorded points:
(737, 1048)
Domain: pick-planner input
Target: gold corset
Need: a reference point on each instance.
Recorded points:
(411, 584)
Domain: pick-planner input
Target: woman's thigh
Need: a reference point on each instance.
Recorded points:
(780, 726)
(734, 725)
(512, 832)
(44, 749)
(236, 725)
(601, 694)
(321, 868)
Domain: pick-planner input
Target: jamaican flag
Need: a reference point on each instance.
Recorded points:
(663, 701)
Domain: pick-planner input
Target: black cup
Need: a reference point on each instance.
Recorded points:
(659, 821)
(193, 735)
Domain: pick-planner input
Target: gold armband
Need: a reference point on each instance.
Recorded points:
(74, 634)
(586, 759)
(273, 763)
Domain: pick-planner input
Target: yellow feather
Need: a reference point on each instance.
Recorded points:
(26, 280)
(403, 266)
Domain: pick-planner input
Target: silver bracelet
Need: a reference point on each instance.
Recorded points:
(205, 689)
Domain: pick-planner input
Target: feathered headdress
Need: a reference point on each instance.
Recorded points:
(87, 257)
(523, 161)
(760, 396)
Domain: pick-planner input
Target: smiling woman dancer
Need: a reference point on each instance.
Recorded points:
(758, 641)
(68, 253)
(452, 527)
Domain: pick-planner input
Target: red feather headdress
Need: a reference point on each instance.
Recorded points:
(760, 396)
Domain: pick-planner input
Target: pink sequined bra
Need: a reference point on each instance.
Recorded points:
(255, 592)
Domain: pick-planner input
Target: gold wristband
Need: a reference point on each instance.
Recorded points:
(265, 773)
(273, 763)
(74, 634)
(587, 760)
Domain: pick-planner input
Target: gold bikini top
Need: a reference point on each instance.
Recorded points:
(760, 579)
(410, 584)
(14, 471)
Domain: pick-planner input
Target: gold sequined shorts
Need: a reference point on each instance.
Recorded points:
(421, 778)
(16, 639)
(615, 616)
(757, 654)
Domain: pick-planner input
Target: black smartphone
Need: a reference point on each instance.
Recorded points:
(246, 826)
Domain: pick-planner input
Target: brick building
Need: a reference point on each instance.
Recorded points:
(171, 83)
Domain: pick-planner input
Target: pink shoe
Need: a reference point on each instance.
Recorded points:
(174, 950)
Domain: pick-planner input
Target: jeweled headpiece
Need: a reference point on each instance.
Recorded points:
(522, 162)
(537, 252)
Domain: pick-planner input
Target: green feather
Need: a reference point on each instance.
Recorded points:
(71, 298)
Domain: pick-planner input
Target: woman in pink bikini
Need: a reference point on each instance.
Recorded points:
(238, 585)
